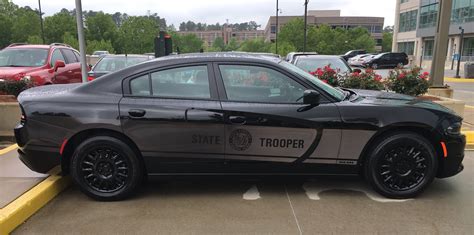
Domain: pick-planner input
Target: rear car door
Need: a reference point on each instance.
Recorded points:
(73, 66)
(174, 116)
(266, 122)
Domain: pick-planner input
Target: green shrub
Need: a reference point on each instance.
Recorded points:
(367, 80)
(14, 88)
(408, 82)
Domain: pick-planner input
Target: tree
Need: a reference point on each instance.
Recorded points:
(57, 25)
(71, 40)
(283, 48)
(387, 40)
(255, 45)
(218, 44)
(186, 43)
(5, 31)
(101, 45)
(232, 45)
(100, 26)
(25, 20)
(292, 33)
(34, 39)
(137, 35)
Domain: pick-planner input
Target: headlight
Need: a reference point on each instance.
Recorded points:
(454, 129)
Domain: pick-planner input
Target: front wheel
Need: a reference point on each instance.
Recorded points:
(401, 166)
(106, 168)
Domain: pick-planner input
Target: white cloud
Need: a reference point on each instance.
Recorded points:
(212, 11)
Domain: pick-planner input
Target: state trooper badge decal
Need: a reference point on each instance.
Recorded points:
(240, 139)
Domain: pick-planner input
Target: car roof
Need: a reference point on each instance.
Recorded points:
(218, 56)
(126, 55)
(36, 46)
(320, 56)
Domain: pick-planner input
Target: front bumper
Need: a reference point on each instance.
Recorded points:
(38, 158)
(452, 164)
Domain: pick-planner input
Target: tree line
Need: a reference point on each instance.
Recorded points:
(122, 33)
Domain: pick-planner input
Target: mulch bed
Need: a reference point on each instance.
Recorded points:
(7, 98)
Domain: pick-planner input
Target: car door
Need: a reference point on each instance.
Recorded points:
(61, 75)
(174, 116)
(73, 66)
(266, 122)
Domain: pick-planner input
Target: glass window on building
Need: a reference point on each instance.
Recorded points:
(407, 47)
(404, 1)
(273, 29)
(428, 13)
(428, 48)
(463, 11)
(468, 47)
(408, 21)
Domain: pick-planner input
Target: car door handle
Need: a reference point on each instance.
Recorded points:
(237, 120)
(137, 112)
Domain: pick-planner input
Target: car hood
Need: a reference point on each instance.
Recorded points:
(46, 92)
(9, 72)
(395, 99)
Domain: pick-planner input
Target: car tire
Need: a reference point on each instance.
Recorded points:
(401, 165)
(106, 168)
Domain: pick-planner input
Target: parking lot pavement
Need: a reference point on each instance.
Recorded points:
(276, 206)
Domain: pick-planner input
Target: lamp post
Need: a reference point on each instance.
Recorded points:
(80, 37)
(460, 52)
(41, 21)
(276, 29)
(305, 23)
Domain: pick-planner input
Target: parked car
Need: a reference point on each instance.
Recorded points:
(387, 60)
(358, 60)
(353, 53)
(290, 57)
(310, 63)
(42, 64)
(112, 63)
(100, 53)
(233, 114)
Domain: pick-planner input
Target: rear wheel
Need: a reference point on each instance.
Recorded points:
(402, 165)
(105, 168)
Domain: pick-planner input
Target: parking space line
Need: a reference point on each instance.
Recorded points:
(8, 149)
(293, 210)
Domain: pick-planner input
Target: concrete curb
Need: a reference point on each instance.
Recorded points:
(15, 213)
(448, 79)
(469, 139)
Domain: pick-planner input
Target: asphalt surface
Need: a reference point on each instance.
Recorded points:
(263, 206)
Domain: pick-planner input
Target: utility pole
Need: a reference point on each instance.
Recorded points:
(460, 52)
(305, 23)
(441, 43)
(80, 37)
(276, 29)
(41, 21)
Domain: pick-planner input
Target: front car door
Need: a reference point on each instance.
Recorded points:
(73, 66)
(174, 116)
(61, 75)
(266, 122)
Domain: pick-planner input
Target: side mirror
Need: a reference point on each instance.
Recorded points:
(357, 71)
(59, 64)
(311, 97)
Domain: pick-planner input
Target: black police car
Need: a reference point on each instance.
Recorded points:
(233, 113)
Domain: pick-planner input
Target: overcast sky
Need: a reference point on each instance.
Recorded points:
(213, 11)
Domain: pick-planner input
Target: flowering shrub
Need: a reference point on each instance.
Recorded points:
(8, 87)
(367, 80)
(409, 82)
(327, 75)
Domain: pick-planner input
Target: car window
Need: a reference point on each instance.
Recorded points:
(57, 55)
(110, 64)
(184, 82)
(78, 56)
(259, 84)
(24, 57)
(311, 64)
(70, 57)
(140, 86)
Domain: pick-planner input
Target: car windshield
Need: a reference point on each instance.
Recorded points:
(338, 94)
(311, 64)
(111, 64)
(23, 57)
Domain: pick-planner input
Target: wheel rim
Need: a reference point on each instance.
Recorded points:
(105, 170)
(403, 168)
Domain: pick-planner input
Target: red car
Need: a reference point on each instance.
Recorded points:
(42, 64)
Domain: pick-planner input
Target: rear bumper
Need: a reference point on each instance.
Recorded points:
(38, 158)
(452, 164)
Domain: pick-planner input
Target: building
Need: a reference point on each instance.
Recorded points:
(227, 33)
(334, 19)
(415, 25)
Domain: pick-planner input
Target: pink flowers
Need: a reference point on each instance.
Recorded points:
(377, 77)
(425, 76)
(402, 76)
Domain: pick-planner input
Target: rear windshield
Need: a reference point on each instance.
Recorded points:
(23, 57)
(310, 64)
(111, 64)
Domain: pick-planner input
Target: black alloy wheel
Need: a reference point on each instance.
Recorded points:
(105, 168)
(401, 165)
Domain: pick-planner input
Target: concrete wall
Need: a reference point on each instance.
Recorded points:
(10, 116)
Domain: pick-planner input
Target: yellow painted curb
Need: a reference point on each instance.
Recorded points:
(469, 106)
(8, 149)
(446, 79)
(27, 204)
(469, 139)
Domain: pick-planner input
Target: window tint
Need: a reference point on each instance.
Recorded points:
(185, 82)
(259, 84)
(57, 55)
(70, 57)
(140, 86)
(78, 57)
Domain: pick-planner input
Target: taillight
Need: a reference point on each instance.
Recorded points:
(90, 78)
(23, 116)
